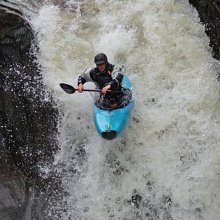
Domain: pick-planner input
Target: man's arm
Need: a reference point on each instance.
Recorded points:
(85, 77)
(117, 77)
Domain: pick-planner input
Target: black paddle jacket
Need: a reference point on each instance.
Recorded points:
(111, 76)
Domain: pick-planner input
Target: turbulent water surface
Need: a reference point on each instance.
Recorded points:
(166, 164)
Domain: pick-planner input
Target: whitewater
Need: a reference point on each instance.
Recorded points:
(166, 163)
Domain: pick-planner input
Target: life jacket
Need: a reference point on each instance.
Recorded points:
(102, 78)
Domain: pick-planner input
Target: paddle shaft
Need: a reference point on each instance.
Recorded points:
(91, 90)
(99, 90)
(70, 89)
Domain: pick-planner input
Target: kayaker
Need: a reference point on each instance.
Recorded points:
(106, 76)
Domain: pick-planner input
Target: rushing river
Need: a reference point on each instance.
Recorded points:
(166, 163)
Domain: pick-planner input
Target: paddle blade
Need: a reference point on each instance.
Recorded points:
(67, 88)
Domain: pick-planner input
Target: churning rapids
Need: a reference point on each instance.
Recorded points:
(166, 164)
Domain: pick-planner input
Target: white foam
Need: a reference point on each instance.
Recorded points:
(172, 141)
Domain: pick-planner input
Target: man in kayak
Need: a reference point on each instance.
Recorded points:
(107, 77)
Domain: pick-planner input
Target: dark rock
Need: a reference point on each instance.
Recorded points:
(28, 123)
(209, 12)
(136, 199)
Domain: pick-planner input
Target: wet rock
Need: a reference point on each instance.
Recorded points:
(28, 121)
(136, 199)
(12, 190)
(15, 39)
(209, 12)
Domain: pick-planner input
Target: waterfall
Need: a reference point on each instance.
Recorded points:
(166, 163)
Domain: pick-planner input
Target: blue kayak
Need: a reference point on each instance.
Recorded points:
(110, 122)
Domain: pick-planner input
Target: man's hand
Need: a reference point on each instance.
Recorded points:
(80, 88)
(106, 88)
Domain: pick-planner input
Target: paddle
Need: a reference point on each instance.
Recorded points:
(70, 89)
